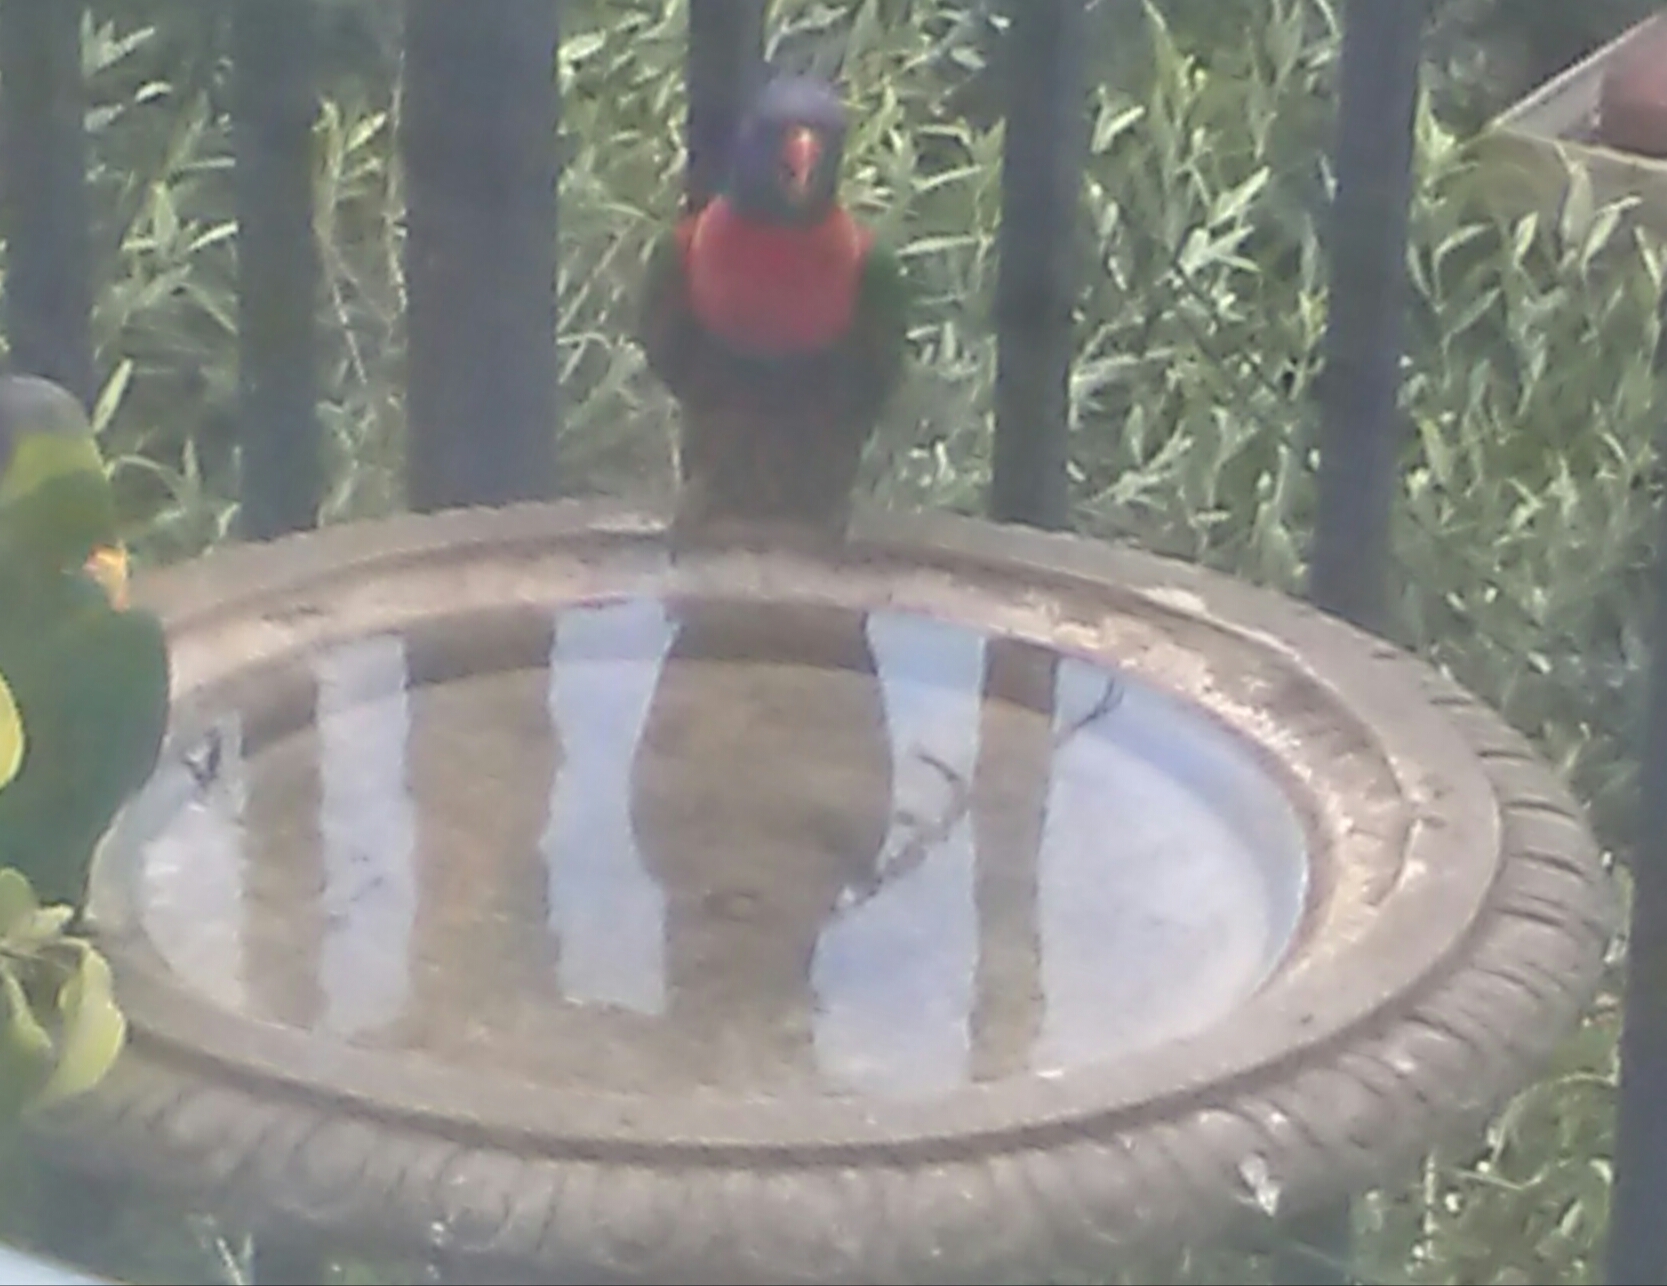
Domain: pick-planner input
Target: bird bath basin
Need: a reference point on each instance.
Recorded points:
(977, 906)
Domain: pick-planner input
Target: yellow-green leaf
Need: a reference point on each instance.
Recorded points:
(17, 901)
(93, 1033)
(25, 1051)
(44, 925)
(25, 1032)
(11, 735)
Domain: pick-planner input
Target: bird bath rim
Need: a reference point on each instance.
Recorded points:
(1457, 921)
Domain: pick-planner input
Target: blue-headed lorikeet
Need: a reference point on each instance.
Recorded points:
(778, 324)
(87, 674)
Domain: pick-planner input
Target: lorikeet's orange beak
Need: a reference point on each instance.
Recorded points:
(800, 155)
(108, 566)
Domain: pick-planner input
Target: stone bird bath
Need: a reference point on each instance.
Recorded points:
(979, 906)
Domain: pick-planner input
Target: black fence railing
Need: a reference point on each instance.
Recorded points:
(273, 60)
(481, 156)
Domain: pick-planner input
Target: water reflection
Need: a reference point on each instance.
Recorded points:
(368, 835)
(760, 848)
(190, 887)
(1010, 808)
(894, 973)
(606, 910)
(760, 793)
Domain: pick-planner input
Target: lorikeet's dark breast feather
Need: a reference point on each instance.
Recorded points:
(91, 685)
(774, 432)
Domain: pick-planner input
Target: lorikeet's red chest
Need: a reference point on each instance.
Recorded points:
(766, 289)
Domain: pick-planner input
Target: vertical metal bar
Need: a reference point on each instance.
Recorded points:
(726, 51)
(1349, 572)
(43, 211)
(48, 318)
(480, 148)
(1637, 1249)
(1036, 285)
(273, 107)
(1360, 429)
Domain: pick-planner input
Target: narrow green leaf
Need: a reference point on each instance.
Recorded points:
(1237, 199)
(1578, 206)
(110, 396)
(1110, 125)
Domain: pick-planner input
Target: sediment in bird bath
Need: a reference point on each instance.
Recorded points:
(698, 847)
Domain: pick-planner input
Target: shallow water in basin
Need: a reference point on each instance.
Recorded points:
(704, 847)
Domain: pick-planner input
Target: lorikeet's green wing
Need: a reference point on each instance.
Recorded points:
(666, 327)
(879, 335)
(672, 340)
(714, 422)
(91, 685)
(88, 680)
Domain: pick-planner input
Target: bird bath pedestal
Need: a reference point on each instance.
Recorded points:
(980, 906)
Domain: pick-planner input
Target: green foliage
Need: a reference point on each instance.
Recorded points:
(62, 1028)
(11, 735)
(1529, 480)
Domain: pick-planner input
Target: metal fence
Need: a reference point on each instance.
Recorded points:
(479, 146)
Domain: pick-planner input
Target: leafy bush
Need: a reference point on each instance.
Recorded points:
(62, 1030)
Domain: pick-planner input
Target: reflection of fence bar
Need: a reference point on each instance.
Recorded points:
(273, 60)
(281, 881)
(479, 142)
(480, 924)
(43, 171)
(1036, 288)
(1009, 810)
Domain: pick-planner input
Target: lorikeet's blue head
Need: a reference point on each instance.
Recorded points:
(788, 151)
(35, 407)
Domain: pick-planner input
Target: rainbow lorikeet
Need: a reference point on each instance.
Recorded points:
(87, 674)
(777, 322)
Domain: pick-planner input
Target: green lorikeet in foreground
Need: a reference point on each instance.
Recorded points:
(777, 323)
(87, 675)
